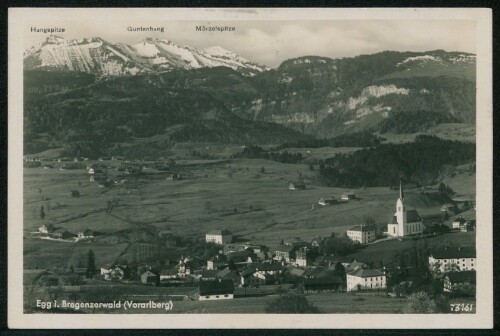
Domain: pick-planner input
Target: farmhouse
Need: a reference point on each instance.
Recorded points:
(362, 234)
(458, 222)
(227, 274)
(149, 278)
(332, 283)
(113, 272)
(469, 225)
(62, 234)
(217, 262)
(261, 274)
(220, 237)
(285, 253)
(449, 209)
(348, 196)
(327, 200)
(86, 234)
(463, 257)
(293, 185)
(46, 229)
(169, 273)
(216, 290)
(404, 222)
(454, 279)
(301, 257)
(363, 279)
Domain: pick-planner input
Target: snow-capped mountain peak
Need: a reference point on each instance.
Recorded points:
(94, 55)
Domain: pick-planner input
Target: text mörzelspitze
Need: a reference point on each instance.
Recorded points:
(215, 28)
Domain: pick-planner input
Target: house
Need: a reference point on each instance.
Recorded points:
(227, 274)
(169, 273)
(209, 274)
(261, 274)
(365, 279)
(404, 222)
(301, 257)
(217, 262)
(242, 257)
(256, 248)
(113, 272)
(86, 234)
(62, 234)
(327, 200)
(184, 267)
(46, 229)
(459, 221)
(293, 185)
(469, 225)
(285, 253)
(316, 242)
(149, 278)
(463, 257)
(220, 237)
(230, 248)
(355, 265)
(362, 234)
(454, 279)
(348, 196)
(312, 285)
(449, 209)
(216, 290)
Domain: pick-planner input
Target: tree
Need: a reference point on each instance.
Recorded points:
(420, 303)
(91, 269)
(451, 267)
(291, 304)
(262, 170)
(42, 213)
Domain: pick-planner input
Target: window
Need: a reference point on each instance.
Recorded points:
(226, 295)
(217, 296)
(207, 297)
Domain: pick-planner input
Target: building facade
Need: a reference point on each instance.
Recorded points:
(444, 258)
(366, 279)
(220, 237)
(362, 234)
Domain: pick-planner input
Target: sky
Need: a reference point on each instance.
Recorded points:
(272, 42)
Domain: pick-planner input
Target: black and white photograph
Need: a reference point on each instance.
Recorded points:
(262, 163)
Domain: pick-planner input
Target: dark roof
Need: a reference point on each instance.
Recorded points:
(214, 287)
(224, 232)
(264, 267)
(219, 258)
(461, 277)
(412, 216)
(209, 273)
(366, 273)
(323, 281)
(285, 248)
(453, 252)
(169, 271)
(363, 228)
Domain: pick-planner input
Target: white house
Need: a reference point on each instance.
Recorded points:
(404, 222)
(362, 234)
(46, 229)
(327, 200)
(219, 237)
(458, 222)
(301, 257)
(348, 196)
(365, 279)
(463, 257)
(216, 290)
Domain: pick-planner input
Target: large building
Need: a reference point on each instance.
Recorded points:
(404, 222)
(363, 279)
(463, 257)
(219, 237)
(362, 234)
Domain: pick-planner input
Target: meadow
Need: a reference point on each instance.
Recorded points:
(250, 197)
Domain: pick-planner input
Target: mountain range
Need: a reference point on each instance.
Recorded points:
(91, 95)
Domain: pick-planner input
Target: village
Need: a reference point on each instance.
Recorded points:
(233, 267)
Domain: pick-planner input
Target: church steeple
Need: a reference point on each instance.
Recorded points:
(401, 193)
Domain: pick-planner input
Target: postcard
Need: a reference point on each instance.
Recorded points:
(250, 168)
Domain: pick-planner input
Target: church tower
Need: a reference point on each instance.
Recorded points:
(401, 212)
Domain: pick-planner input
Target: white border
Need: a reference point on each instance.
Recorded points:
(20, 17)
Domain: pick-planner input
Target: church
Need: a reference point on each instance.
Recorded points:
(404, 222)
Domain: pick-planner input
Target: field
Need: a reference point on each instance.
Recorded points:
(248, 197)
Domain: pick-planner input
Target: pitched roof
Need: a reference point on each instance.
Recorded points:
(214, 287)
(412, 216)
(209, 273)
(362, 228)
(285, 248)
(168, 271)
(224, 232)
(264, 267)
(453, 252)
(366, 273)
(219, 258)
(461, 277)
